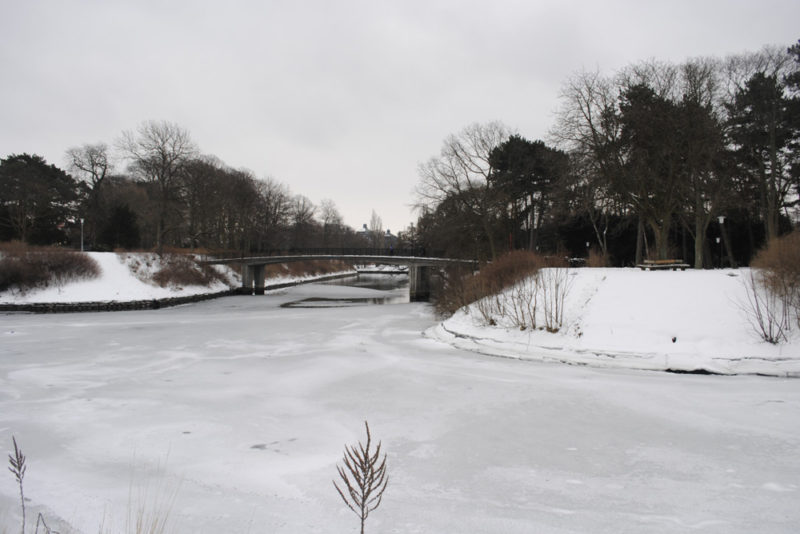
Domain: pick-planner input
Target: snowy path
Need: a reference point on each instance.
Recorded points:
(243, 408)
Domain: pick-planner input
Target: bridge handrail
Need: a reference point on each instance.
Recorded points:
(334, 251)
(349, 251)
(386, 259)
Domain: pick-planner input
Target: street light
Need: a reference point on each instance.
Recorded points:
(81, 234)
(721, 220)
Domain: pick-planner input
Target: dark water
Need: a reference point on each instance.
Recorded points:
(394, 286)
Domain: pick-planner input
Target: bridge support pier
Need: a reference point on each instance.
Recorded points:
(419, 283)
(253, 279)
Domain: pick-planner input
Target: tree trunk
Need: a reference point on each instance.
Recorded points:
(661, 235)
(700, 228)
(639, 240)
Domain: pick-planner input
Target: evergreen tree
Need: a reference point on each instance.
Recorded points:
(39, 199)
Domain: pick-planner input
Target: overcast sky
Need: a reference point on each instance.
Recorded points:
(336, 99)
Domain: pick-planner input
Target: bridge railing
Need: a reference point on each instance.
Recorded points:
(404, 252)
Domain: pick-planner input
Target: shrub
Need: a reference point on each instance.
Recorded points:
(183, 270)
(24, 267)
(462, 287)
(773, 289)
(779, 264)
(596, 259)
(554, 285)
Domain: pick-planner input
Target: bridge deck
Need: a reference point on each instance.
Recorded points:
(388, 260)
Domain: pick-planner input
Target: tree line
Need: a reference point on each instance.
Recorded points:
(167, 195)
(697, 161)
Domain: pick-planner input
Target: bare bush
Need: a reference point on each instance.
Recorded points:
(522, 304)
(779, 268)
(773, 289)
(768, 311)
(554, 285)
(364, 478)
(25, 267)
(462, 287)
(535, 300)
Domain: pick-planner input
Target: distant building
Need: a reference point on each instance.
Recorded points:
(382, 240)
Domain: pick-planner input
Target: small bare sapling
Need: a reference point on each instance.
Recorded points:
(17, 467)
(363, 477)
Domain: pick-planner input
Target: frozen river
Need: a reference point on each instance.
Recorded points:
(230, 416)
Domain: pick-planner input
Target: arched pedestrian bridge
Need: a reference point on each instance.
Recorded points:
(419, 268)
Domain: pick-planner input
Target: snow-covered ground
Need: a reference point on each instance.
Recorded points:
(241, 408)
(678, 320)
(118, 281)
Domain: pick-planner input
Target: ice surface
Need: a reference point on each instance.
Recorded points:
(242, 409)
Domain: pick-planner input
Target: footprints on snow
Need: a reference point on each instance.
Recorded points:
(273, 446)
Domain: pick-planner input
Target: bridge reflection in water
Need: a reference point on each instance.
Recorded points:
(419, 268)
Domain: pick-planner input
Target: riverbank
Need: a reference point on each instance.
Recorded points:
(692, 321)
(125, 283)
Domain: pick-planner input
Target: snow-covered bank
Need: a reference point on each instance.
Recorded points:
(127, 278)
(117, 283)
(676, 320)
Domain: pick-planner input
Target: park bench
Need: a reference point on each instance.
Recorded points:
(653, 265)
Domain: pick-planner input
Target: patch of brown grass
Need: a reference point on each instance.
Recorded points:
(184, 270)
(24, 267)
(306, 268)
(596, 259)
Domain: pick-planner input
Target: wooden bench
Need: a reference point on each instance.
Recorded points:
(654, 265)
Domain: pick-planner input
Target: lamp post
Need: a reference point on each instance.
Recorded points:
(81, 234)
(721, 220)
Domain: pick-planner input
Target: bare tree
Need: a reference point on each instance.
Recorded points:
(274, 212)
(302, 220)
(738, 69)
(364, 478)
(91, 163)
(158, 151)
(376, 230)
(588, 127)
(331, 221)
(461, 173)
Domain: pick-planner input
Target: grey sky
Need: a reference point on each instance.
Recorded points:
(336, 99)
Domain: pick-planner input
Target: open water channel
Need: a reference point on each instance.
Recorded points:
(393, 288)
